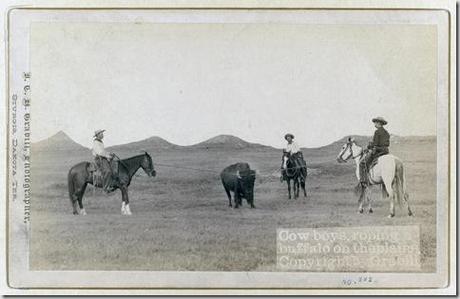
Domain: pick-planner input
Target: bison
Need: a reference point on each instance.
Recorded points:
(240, 179)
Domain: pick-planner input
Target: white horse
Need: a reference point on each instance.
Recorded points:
(388, 172)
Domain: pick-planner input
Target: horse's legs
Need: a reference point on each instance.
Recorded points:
(302, 183)
(73, 193)
(369, 201)
(73, 198)
(123, 203)
(125, 210)
(80, 194)
(296, 188)
(289, 186)
(406, 199)
(361, 199)
(391, 196)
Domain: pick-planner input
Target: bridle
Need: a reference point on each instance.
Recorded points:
(349, 146)
(150, 169)
(290, 171)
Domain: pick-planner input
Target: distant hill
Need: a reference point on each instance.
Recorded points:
(364, 140)
(58, 142)
(395, 139)
(152, 143)
(359, 139)
(330, 151)
(62, 142)
(228, 142)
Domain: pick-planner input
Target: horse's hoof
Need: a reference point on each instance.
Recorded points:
(75, 212)
(391, 215)
(253, 206)
(371, 211)
(410, 213)
(83, 212)
(360, 211)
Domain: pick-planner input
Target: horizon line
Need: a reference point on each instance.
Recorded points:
(191, 145)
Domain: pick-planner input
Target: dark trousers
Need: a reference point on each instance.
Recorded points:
(103, 165)
(367, 159)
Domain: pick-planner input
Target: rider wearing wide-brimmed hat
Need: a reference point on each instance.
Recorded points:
(98, 145)
(294, 150)
(291, 146)
(103, 159)
(376, 148)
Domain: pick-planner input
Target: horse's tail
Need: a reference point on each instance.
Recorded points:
(71, 186)
(399, 183)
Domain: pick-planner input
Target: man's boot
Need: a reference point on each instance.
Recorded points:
(363, 173)
(107, 182)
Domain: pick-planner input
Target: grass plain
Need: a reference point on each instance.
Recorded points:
(181, 220)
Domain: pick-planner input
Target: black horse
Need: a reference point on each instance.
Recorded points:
(290, 171)
(80, 175)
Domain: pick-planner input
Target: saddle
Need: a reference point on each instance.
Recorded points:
(299, 164)
(367, 163)
(373, 163)
(375, 159)
(103, 174)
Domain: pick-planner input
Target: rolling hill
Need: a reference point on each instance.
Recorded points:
(227, 142)
(394, 139)
(60, 142)
(152, 143)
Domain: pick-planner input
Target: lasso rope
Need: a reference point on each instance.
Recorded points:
(218, 172)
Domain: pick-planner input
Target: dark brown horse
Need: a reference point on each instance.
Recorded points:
(290, 171)
(80, 175)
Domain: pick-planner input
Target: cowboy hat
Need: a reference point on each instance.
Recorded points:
(380, 120)
(97, 132)
(288, 134)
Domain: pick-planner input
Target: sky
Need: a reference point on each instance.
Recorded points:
(189, 82)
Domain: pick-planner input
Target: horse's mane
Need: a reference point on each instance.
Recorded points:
(134, 157)
(127, 162)
(356, 143)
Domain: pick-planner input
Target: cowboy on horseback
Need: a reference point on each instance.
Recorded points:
(293, 166)
(376, 148)
(103, 161)
(293, 150)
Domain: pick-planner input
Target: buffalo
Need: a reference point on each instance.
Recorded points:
(240, 179)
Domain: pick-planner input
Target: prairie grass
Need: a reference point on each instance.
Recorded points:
(181, 219)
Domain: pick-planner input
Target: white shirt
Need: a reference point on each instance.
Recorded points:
(99, 150)
(292, 148)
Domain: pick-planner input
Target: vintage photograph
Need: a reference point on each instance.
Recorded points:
(257, 143)
(213, 136)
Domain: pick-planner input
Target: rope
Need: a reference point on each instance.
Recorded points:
(188, 168)
(218, 172)
(121, 162)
